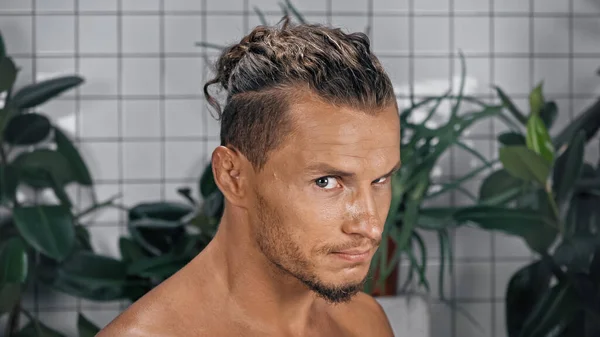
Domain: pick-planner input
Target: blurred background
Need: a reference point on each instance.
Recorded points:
(145, 133)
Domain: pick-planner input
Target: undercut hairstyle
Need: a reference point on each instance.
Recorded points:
(268, 67)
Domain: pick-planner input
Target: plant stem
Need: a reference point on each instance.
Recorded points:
(36, 324)
(97, 206)
(552, 202)
(13, 320)
(7, 111)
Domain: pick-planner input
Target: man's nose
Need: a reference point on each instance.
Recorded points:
(363, 218)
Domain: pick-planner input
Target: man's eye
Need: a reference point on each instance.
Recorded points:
(326, 182)
(381, 180)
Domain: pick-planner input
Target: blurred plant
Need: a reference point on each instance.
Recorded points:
(36, 157)
(547, 194)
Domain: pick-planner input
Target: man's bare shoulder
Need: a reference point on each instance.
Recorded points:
(151, 315)
(363, 316)
(163, 311)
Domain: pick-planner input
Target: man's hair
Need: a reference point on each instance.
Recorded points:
(268, 68)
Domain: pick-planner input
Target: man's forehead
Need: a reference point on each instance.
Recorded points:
(339, 137)
(321, 126)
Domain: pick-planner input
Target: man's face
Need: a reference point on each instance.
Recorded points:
(323, 196)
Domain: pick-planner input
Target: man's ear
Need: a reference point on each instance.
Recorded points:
(230, 174)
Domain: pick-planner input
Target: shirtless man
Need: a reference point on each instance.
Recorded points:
(310, 138)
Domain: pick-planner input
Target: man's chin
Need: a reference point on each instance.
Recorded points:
(335, 293)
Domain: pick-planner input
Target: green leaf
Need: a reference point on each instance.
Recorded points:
(434, 218)
(595, 266)
(186, 247)
(538, 139)
(499, 187)
(136, 291)
(512, 108)
(511, 138)
(159, 266)
(524, 164)
(82, 236)
(41, 168)
(580, 216)
(38, 93)
(294, 11)
(27, 129)
(48, 229)
(2, 47)
(463, 75)
(536, 100)
(158, 226)
(130, 251)
(422, 267)
(210, 45)
(60, 193)
(156, 236)
(10, 294)
(213, 205)
(588, 121)
(85, 327)
(261, 16)
(30, 330)
(93, 270)
(6, 114)
(8, 73)
(524, 290)
(168, 211)
(549, 114)
(568, 168)
(576, 252)
(413, 201)
(186, 193)
(207, 225)
(539, 232)
(385, 267)
(207, 185)
(80, 171)
(13, 261)
(82, 290)
(443, 241)
(557, 307)
(8, 184)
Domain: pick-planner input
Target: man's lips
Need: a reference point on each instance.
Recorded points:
(355, 254)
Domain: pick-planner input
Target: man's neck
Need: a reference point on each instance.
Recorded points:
(258, 291)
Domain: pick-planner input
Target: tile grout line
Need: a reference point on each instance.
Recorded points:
(162, 102)
(392, 13)
(492, 74)
(77, 101)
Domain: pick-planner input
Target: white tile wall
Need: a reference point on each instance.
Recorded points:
(390, 5)
(140, 34)
(55, 6)
(141, 76)
(145, 129)
(135, 111)
(86, 6)
(98, 41)
(55, 35)
(100, 120)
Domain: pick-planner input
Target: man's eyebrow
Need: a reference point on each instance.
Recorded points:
(394, 169)
(328, 170)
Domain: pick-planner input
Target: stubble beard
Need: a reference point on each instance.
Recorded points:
(281, 250)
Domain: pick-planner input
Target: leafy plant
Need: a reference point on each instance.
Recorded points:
(36, 156)
(547, 194)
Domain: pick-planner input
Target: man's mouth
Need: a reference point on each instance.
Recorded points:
(354, 254)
